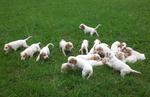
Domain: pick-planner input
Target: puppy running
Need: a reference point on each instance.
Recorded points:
(86, 66)
(88, 29)
(16, 44)
(28, 52)
(65, 46)
(118, 65)
(45, 52)
(84, 46)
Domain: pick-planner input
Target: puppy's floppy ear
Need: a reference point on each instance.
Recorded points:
(73, 61)
(9, 46)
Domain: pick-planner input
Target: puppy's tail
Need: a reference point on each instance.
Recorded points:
(27, 38)
(97, 34)
(50, 44)
(37, 59)
(97, 26)
(134, 71)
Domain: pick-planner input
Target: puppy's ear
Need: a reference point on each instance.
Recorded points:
(82, 27)
(9, 46)
(73, 61)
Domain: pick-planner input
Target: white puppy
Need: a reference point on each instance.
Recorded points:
(66, 66)
(16, 44)
(88, 29)
(131, 55)
(86, 66)
(114, 46)
(28, 52)
(118, 65)
(84, 46)
(95, 57)
(102, 49)
(65, 46)
(97, 41)
(45, 52)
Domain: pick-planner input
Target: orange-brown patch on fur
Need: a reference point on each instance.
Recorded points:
(73, 61)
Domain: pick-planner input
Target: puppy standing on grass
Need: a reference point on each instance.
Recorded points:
(16, 44)
(86, 66)
(44, 53)
(84, 46)
(118, 65)
(88, 29)
(65, 46)
(28, 52)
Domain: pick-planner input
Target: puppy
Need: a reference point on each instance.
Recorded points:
(132, 55)
(114, 46)
(102, 49)
(97, 41)
(88, 29)
(84, 46)
(66, 66)
(16, 44)
(95, 57)
(118, 65)
(28, 52)
(85, 65)
(65, 46)
(44, 53)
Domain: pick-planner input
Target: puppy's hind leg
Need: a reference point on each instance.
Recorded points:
(90, 75)
(83, 74)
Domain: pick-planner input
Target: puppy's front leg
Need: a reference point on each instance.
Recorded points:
(86, 50)
(64, 52)
(83, 74)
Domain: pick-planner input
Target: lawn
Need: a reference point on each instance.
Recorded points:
(53, 20)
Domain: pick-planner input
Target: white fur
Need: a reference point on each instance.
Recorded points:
(118, 65)
(84, 46)
(114, 46)
(63, 45)
(30, 51)
(90, 30)
(16, 44)
(89, 57)
(45, 52)
(97, 41)
(85, 65)
(66, 66)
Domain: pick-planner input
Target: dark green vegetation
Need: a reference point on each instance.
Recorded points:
(51, 20)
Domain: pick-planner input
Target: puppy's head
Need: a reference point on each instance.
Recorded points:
(24, 56)
(120, 55)
(122, 45)
(44, 56)
(7, 48)
(127, 51)
(98, 50)
(66, 66)
(95, 57)
(69, 45)
(72, 60)
(82, 26)
(97, 41)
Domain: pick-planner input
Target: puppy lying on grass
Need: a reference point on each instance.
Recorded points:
(118, 65)
(89, 30)
(85, 65)
(65, 46)
(28, 52)
(45, 52)
(16, 44)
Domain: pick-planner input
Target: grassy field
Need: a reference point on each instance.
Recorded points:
(50, 21)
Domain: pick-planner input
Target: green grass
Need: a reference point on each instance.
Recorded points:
(51, 20)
